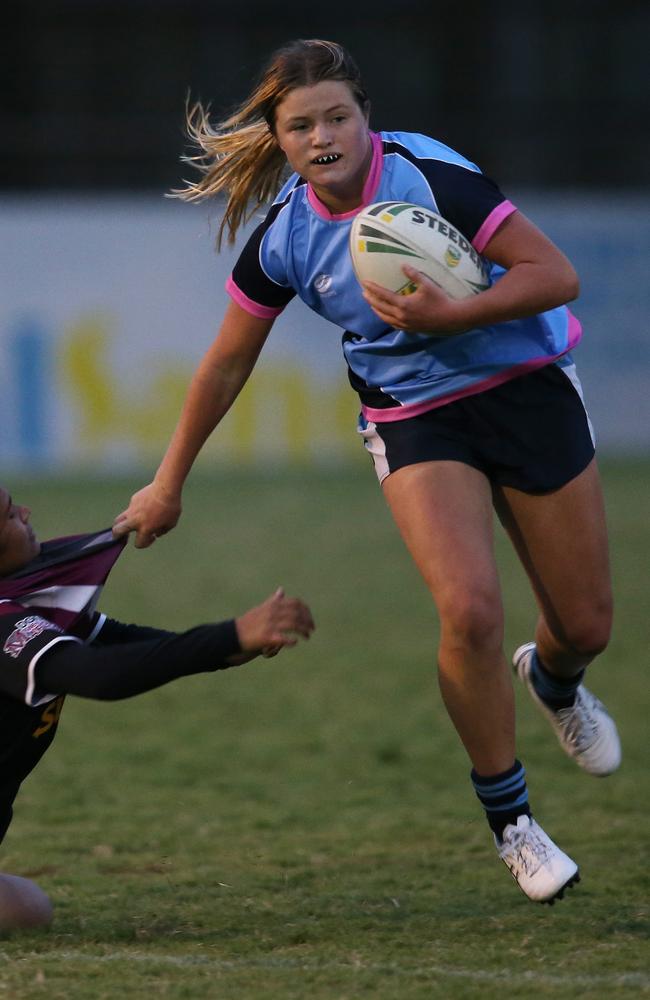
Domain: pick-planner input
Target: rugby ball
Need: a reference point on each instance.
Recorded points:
(389, 234)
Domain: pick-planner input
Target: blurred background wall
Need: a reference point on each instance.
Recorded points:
(109, 293)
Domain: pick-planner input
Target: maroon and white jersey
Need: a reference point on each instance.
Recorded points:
(51, 600)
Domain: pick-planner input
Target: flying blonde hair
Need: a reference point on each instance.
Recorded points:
(241, 156)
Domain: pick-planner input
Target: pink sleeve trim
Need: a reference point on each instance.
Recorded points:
(254, 308)
(491, 224)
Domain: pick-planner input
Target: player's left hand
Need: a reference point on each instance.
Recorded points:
(426, 310)
(270, 627)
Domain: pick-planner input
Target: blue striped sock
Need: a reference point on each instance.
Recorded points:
(556, 692)
(503, 796)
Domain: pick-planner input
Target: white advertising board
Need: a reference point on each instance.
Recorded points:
(107, 305)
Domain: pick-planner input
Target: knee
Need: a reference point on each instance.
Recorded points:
(588, 635)
(472, 621)
(589, 642)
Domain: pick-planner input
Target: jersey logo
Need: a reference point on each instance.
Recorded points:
(323, 284)
(25, 630)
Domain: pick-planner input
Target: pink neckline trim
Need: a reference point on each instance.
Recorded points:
(369, 188)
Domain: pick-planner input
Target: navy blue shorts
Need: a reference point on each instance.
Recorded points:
(532, 433)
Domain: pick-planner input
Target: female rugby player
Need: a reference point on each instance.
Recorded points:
(466, 406)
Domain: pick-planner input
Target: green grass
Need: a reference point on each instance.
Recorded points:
(304, 827)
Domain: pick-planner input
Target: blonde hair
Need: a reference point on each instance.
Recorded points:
(240, 156)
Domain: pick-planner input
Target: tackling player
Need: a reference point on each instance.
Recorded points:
(53, 642)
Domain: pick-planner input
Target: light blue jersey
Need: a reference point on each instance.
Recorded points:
(302, 249)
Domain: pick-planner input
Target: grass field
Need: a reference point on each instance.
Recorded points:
(304, 827)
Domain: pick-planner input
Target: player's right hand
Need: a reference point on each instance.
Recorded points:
(153, 511)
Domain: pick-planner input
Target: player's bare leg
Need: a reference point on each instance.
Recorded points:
(561, 538)
(444, 513)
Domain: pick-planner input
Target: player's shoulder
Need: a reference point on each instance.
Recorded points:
(289, 201)
(20, 625)
(291, 187)
(416, 146)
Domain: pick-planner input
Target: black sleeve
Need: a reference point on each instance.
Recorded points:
(466, 198)
(113, 633)
(112, 672)
(248, 274)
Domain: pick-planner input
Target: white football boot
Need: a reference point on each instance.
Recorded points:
(541, 870)
(585, 730)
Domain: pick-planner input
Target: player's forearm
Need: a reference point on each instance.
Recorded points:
(113, 672)
(156, 508)
(211, 394)
(525, 290)
(538, 276)
(217, 382)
